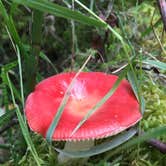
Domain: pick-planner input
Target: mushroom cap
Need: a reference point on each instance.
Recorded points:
(118, 113)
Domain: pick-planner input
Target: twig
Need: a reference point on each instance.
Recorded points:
(158, 145)
(119, 69)
(162, 8)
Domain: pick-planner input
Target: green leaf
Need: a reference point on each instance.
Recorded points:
(133, 83)
(158, 64)
(135, 88)
(144, 137)
(115, 141)
(57, 10)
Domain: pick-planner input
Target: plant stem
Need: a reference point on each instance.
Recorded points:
(32, 60)
(73, 39)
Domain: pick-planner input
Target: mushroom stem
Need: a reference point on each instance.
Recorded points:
(74, 146)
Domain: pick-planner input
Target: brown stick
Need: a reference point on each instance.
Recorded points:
(162, 8)
(158, 145)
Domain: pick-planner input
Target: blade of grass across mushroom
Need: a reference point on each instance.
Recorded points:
(57, 10)
(115, 141)
(57, 117)
(103, 100)
(24, 127)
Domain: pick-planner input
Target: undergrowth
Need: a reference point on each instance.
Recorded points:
(64, 46)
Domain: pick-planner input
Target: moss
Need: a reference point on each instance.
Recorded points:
(155, 112)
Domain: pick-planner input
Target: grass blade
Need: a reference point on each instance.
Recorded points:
(57, 10)
(24, 127)
(57, 117)
(158, 64)
(102, 101)
(44, 57)
(119, 37)
(153, 133)
(20, 74)
(20, 71)
(32, 60)
(133, 83)
(134, 86)
(116, 141)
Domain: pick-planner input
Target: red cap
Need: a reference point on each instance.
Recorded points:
(118, 113)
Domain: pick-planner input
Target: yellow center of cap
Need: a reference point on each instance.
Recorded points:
(80, 107)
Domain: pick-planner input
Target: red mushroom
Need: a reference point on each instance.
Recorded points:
(118, 113)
